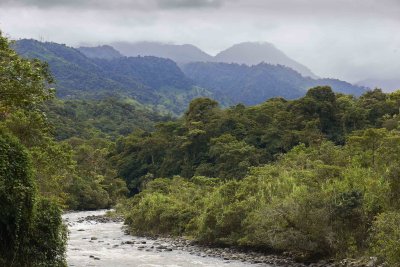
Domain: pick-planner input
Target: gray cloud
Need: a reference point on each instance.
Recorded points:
(355, 8)
(189, 3)
(114, 4)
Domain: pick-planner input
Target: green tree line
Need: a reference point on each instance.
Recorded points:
(31, 229)
(316, 177)
(224, 143)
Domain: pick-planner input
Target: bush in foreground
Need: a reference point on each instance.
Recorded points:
(31, 229)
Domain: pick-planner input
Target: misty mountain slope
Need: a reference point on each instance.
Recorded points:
(181, 54)
(254, 84)
(387, 85)
(254, 53)
(72, 69)
(152, 81)
(338, 86)
(104, 52)
(161, 84)
(244, 53)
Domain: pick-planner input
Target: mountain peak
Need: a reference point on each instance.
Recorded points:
(253, 53)
(102, 51)
(181, 54)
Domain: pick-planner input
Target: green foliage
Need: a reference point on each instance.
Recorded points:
(74, 173)
(95, 183)
(167, 206)
(31, 231)
(230, 157)
(157, 83)
(48, 239)
(108, 118)
(23, 82)
(220, 143)
(251, 85)
(386, 237)
(17, 198)
(221, 218)
(314, 201)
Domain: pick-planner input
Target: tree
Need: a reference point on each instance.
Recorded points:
(232, 158)
(31, 229)
(27, 238)
(24, 83)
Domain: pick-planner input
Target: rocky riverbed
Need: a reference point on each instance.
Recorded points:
(97, 240)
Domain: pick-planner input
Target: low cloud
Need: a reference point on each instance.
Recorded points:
(114, 4)
(188, 3)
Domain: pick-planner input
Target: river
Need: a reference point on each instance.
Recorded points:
(103, 244)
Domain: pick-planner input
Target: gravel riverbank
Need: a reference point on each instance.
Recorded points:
(181, 247)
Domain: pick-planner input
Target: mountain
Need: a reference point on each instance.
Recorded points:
(255, 53)
(244, 53)
(254, 84)
(159, 83)
(181, 54)
(388, 85)
(152, 81)
(104, 52)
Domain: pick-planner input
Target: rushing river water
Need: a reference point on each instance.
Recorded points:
(102, 244)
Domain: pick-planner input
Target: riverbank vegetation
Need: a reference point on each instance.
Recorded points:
(31, 230)
(53, 158)
(317, 177)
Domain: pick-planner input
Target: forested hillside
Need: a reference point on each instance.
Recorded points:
(210, 141)
(181, 54)
(251, 53)
(156, 82)
(104, 52)
(160, 84)
(254, 84)
(315, 177)
(107, 118)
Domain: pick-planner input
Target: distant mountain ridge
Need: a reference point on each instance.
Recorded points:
(248, 53)
(159, 83)
(181, 54)
(248, 84)
(255, 53)
(153, 81)
(387, 85)
(103, 52)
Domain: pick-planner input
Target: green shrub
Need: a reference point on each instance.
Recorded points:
(166, 206)
(31, 231)
(48, 238)
(385, 241)
(17, 198)
(317, 201)
(221, 218)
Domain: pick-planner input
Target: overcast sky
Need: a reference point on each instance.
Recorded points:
(347, 39)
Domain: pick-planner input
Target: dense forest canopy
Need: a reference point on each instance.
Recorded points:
(214, 142)
(316, 177)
